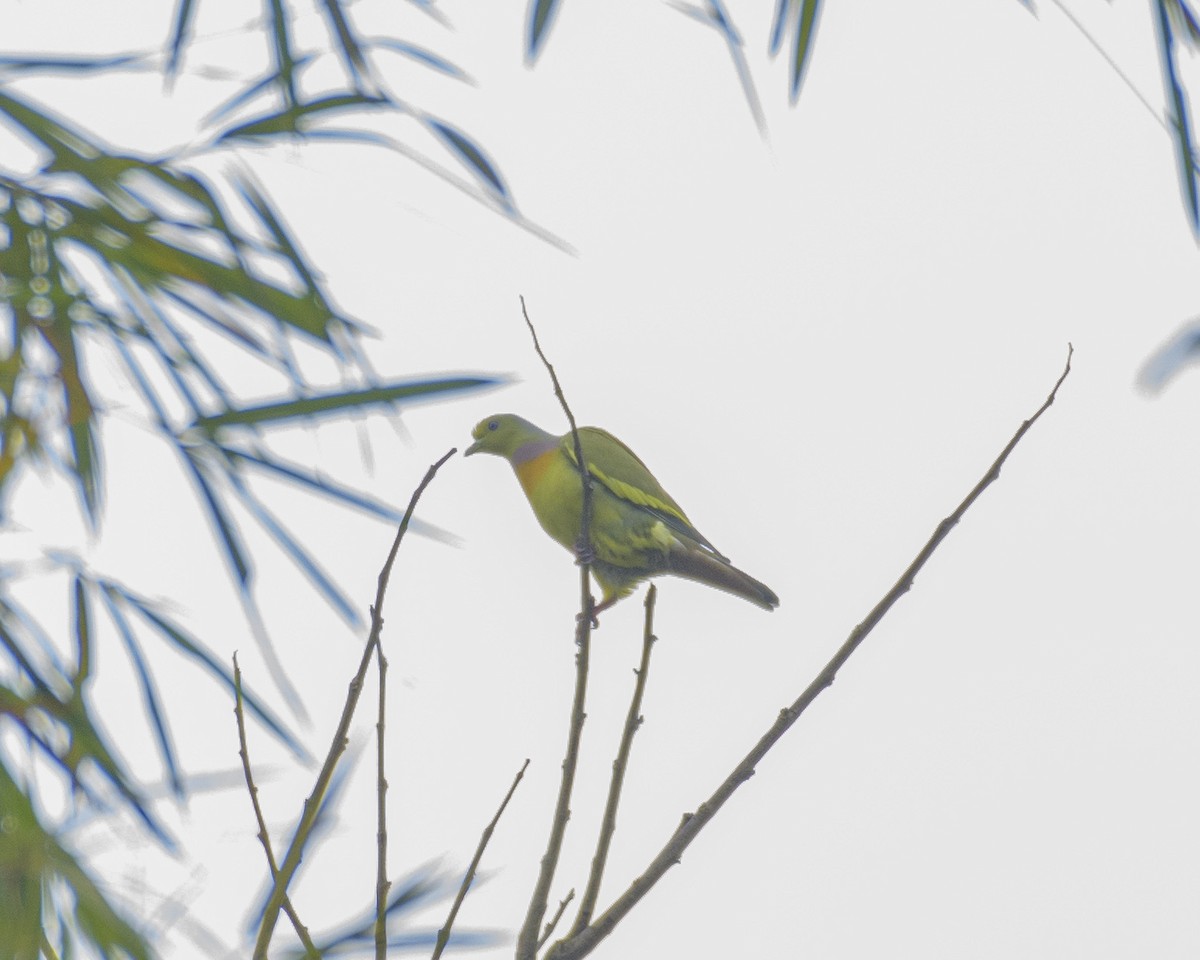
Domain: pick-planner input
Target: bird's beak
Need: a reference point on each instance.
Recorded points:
(473, 448)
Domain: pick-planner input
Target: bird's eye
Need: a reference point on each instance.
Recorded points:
(493, 424)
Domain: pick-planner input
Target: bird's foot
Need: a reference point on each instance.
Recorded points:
(594, 610)
(584, 553)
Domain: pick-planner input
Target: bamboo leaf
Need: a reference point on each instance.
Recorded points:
(150, 698)
(304, 560)
(282, 50)
(294, 120)
(540, 19)
(82, 623)
(778, 22)
(179, 36)
(37, 64)
(29, 858)
(1178, 118)
(335, 403)
(347, 42)
(192, 647)
(472, 156)
(806, 27)
(421, 55)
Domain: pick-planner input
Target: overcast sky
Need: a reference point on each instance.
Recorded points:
(818, 340)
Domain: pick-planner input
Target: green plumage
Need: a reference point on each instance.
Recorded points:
(637, 529)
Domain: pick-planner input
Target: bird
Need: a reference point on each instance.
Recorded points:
(637, 531)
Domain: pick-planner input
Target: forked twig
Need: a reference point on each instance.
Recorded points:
(608, 825)
(562, 908)
(586, 940)
(443, 935)
(527, 938)
(312, 804)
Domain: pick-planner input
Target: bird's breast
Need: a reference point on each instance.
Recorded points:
(532, 472)
(552, 486)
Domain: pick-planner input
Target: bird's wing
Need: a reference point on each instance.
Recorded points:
(620, 471)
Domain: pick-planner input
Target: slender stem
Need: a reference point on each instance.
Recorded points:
(312, 805)
(310, 949)
(382, 884)
(583, 943)
(443, 935)
(608, 825)
(527, 938)
(562, 908)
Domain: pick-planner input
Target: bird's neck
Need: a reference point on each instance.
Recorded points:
(532, 450)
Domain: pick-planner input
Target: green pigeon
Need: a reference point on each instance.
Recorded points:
(637, 530)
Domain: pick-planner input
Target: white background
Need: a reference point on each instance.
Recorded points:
(818, 341)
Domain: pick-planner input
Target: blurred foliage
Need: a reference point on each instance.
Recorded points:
(140, 258)
(1176, 26)
(102, 249)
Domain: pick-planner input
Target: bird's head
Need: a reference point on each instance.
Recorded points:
(503, 435)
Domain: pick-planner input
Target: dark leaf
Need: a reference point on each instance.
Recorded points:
(1178, 117)
(347, 41)
(150, 699)
(470, 154)
(35, 64)
(541, 18)
(284, 62)
(179, 36)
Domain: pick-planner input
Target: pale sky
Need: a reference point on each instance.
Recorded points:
(818, 341)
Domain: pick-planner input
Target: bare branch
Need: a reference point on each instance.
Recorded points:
(382, 884)
(584, 942)
(527, 938)
(443, 935)
(312, 805)
(608, 825)
(562, 908)
(310, 949)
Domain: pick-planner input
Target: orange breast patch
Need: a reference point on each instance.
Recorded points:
(530, 472)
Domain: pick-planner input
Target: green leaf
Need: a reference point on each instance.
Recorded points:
(282, 49)
(806, 27)
(335, 403)
(81, 621)
(347, 41)
(293, 119)
(30, 858)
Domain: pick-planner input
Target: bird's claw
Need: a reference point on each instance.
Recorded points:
(584, 553)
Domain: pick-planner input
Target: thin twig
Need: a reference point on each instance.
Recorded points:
(608, 825)
(585, 520)
(310, 949)
(562, 908)
(382, 884)
(527, 939)
(312, 804)
(692, 823)
(443, 935)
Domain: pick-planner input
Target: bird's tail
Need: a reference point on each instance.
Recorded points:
(695, 564)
